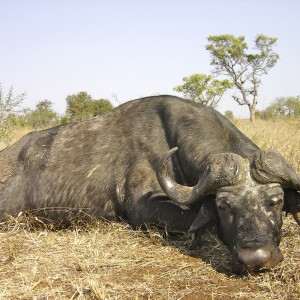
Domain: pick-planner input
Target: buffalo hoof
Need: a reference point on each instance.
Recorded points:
(196, 241)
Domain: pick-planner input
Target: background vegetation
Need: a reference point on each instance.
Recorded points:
(80, 106)
(198, 87)
(240, 67)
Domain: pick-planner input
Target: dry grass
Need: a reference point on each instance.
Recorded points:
(16, 134)
(282, 135)
(111, 261)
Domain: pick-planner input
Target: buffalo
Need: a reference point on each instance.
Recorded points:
(161, 160)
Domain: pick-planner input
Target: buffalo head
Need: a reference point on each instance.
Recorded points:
(249, 197)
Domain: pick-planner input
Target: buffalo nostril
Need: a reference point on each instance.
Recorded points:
(253, 259)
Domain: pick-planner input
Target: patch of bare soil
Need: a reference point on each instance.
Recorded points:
(111, 261)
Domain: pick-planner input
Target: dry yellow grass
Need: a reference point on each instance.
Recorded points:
(282, 135)
(111, 261)
(17, 134)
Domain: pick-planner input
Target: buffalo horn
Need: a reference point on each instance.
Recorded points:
(222, 170)
(176, 192)
(270, 167)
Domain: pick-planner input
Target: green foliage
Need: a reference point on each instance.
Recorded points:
(283, 107)
(81, 106)
(225, 49)
(101, 106)
(64, 120)
(231, 58)
(9, 106)
(203, 88)
(43, 116)
(229, 115)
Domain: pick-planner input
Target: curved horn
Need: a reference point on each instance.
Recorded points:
(176, 192)
(222, 170)
(269, 166)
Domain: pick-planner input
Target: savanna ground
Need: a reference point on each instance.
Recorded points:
(111, 261)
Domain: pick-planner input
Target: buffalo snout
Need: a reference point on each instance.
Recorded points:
(257, 259)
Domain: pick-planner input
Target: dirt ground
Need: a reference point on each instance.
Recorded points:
(111, 261)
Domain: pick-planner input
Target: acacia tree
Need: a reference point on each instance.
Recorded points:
(230, 58)
(203, 88)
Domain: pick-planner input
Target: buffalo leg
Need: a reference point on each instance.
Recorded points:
(154, 208)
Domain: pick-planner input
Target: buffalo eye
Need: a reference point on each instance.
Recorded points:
(224, 206)
(277, 201)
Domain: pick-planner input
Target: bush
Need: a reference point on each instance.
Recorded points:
(284, 107)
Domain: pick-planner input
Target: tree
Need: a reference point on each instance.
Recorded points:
(283, 107)
(204, 89)
(101, 106)
(79, 106)
(43, 115)
(230, 57)
(9, 105)
(229, 114)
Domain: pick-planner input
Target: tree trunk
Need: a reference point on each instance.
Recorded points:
(252, 110)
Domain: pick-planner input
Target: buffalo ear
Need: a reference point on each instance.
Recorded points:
(205, 217)
(292, 203)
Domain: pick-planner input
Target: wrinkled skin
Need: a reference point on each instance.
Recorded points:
(250, 222)
(250, 217)
(248, 213)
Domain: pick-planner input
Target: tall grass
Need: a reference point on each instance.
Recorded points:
(282, 135)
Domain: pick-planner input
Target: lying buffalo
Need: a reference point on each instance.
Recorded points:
(120, 166)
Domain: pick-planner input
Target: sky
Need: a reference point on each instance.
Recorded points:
(126, 49)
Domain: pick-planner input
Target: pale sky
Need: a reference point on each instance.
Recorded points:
(136, 48)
